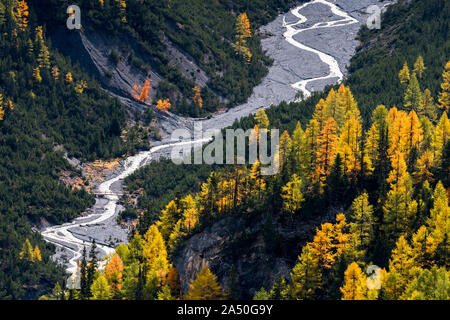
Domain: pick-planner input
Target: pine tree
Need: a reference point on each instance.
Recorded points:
(84, 290)
(400, 208)
(298, 138)
(233, 285)
(413, 94)
(284, 151)
(362, 221)
(44, 58)
(308, 155)
(355, 284)
(444, 95)
(92, 266)
(261, 295)
(204, 287)
(428, 107)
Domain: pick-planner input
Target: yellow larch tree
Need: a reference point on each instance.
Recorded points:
(122, 5)
(439, 227)
(243, 32)
(292, 195)
(330, 241)
(141, 93)
(80, 86)
(114, 272)
(424, 167)
(331, 103)
(412, 132)
(444, 95)
(155, 253)
(69, 78)
(346, 106)
(197, 99)
(262, 121)
(205, 286)
(55, 72)
(441, 136)
(401, 269)
(419, 67)
(326, 151)
(27, 251)
(256, 180)
(285, 147)
(404, 74)
(21, 13)
(355, 283)
(169, 217)
(190, 218)
(37, 75)
(396, 121)
(163, 105)
(37, 254)
(320, 113)
(350, 145)
(306, 275)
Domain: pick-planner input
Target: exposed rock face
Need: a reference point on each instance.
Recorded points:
(261, 251)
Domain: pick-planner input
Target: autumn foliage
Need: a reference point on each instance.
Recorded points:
(163, 105)
(141, 93)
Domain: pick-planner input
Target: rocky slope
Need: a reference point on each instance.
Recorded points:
(260, 250)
